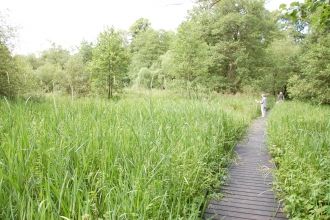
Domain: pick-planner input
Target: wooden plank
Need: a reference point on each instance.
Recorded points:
(215, 216)
(226, 215)
(248, 181)
(249, 175)
(253, 161)
(247, 169)
(261, 181)
(251, 167)
(246, 187)
(252, 206)
(242, 190)
(240, 201)
(246, 211)
(251, 197)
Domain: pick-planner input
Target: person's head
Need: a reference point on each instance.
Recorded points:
(281, 93)
(262, 95)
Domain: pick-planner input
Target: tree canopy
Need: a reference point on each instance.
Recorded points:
(109, 61)
(222, 46)
(318, 10)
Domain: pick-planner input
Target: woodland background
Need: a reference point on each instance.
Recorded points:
(223, 46)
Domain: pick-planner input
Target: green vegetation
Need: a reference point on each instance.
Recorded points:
(319, 10)
(299, 141)
(141, 157)
(109, 62)
(222, 46)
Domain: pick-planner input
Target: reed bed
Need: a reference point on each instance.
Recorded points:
(136, 158)
(299, 140)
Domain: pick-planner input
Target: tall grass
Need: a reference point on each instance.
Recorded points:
(137, 158)
(299, 139)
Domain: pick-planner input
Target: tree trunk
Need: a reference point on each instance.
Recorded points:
(275, 87)
(189, 85)
(109, 86)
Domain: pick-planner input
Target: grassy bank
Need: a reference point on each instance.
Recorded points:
(148, 157)
(299, 139)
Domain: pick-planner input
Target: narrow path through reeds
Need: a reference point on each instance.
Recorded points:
(248, 193)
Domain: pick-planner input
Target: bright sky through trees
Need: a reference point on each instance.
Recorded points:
(68, 22)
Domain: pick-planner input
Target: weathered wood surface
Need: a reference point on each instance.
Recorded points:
(248, 194)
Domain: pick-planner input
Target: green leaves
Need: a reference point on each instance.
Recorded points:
(313, 83)
(147, 47)
(299, 143)
(238, 34)
(283, 6)
(189, 55)
(145, 157)
(317, 11)
(139, 26)
(293, 4)
(109, 61)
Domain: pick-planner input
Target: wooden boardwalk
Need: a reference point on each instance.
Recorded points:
(248, 194)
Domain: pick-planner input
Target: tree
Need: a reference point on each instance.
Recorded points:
(147, 47)
(313, 80)
(10, 80)
(109, 62)
(56, 55)
(189, 55)
(51, 77)
(282, 60)
(34, 62)
(50, 68)
(238, 32)
(7, 87)
(140, 25)
(209, 3)
(317, 10)
(293, 30)
(86, 51)
(16, 75)
(26, 77)
(8, 32)
(77, 75)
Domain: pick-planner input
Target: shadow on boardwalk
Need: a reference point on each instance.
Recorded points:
(248, 194)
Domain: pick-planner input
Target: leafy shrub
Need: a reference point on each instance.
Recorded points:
(299, 141)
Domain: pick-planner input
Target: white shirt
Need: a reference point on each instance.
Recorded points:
(263, 102)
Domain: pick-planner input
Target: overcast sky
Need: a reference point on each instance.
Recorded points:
(68, 22)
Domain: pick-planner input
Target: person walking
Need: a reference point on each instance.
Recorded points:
(263, 105)
(280, 97)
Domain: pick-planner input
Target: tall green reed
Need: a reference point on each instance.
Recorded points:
(299, 140)
(142, 158)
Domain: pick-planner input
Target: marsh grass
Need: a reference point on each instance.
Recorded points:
(136, 158)
(299, 140)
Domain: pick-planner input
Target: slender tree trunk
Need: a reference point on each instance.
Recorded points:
(275, 87)
(189, 85)
(109, 86)
(232, 77)
(112, 85)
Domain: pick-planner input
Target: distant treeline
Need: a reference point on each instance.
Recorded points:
(223, 46)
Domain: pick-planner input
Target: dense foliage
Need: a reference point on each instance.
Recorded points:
(299, 141)
(223, 46)
(144, 158)
(318, 9)
(109, 62)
